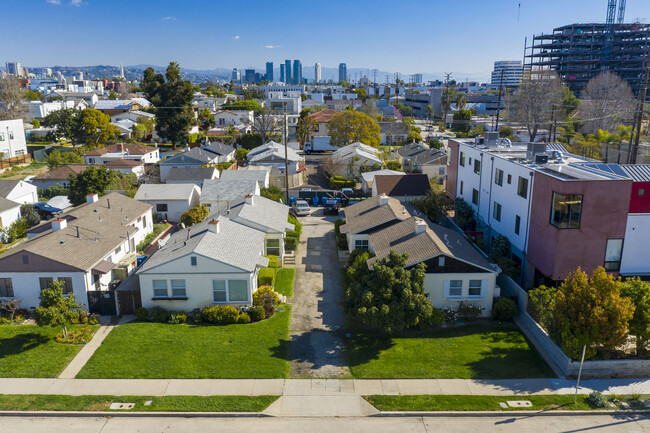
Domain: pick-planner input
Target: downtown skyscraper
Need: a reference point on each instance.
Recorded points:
(287, 72)
(343, 72)
(269, 71)
(297, 72)
(317, 73)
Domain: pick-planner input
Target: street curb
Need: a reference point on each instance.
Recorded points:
(527, 413)
(116, 414)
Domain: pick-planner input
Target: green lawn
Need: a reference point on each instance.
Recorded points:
(477, 351)
(30, 351)
(155, 351)
(284, 279)
(431, 403)
(97, 403)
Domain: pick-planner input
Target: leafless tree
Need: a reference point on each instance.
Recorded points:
(10, 306)
(11, 99)
(266, 122)
(606, 101)
(533, 104)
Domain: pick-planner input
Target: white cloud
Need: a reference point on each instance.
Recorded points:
(75, 2)
(169, 18)
(236, 37)
(272, 46)
(54, 2)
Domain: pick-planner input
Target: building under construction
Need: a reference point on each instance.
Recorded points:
(579, 52)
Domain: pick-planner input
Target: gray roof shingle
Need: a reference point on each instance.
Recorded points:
(368, 214)
(406, 185)
(216, 190)
(6, 186)
(190, 174)
(260, 176)
(161, 191)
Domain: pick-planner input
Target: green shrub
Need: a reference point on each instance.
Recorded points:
(223, 315)
(341, 239)
(266, 298)
(158, 315)
(181, 317)
(450, 315)
(469, 311)
(290, 243)
(504, 309)
(173, 320)
(273, 261)
(597, 400)
(257, 313)
(266, 277)
(243, 318)
(339, 182)
(435, 319)
(297, 226)
(197, 316)
(194, 215)
(55, 309)
(142, 314)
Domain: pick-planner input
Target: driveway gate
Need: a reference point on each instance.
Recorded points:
(102, 302)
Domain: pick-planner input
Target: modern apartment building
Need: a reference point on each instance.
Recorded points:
(559, 211)
(512, 72)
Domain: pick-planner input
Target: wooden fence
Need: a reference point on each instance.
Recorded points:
(16, 160)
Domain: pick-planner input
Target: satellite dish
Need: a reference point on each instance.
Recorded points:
(161, 243)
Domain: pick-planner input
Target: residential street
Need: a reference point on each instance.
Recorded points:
(519, 423)
(316, 319)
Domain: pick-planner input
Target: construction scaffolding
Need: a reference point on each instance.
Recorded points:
(579, 52)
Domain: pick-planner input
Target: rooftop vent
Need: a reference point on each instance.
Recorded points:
(534, 149)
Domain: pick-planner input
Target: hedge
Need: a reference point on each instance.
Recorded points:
(339, 182)
(273, 261)
(266, 277)
(290, 243)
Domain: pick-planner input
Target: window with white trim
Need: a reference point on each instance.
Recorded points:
(454, 288)
(6, 288)
(475, 288)
(160, 288)
(219, 291)
(273, 247)
(178, 289)
(361, 243)
(613, 253)
(230, 291)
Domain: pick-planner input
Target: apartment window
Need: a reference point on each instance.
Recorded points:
(160, 288)
(178, 289)
(462, 159)
(475, 287)
(498, 177)
(477, 166)
(566, 210)
(6, 288)
(496, 211)
(273, 247)
(509, 179)
(363, 244)
(219, 291)
(454, 288)
(475, 197)
(238, 290)
(522, 187)
(517, 224)
(161, 207)
(67, 284)
(144, 221)
(45, 282)
(613, 254)
(118, 250)
(193, 261)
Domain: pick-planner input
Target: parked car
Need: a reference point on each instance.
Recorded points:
(331, 206)
(301, 208)
(46, 211)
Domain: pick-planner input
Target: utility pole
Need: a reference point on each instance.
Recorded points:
(444, 117)
(412, 83)
(640, 107)
(496, 128)
(286, 154)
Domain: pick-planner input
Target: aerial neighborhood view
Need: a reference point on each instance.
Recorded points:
(212, 224)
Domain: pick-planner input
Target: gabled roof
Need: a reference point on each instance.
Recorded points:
(402, 185)
(324, 116)
(193, 156)
(163, 191)
(6, 186)
(369, 213)
(227, 190)
(263, 212)
(62, 172)
(369, 176)
(273, 150)
(123, 163)
(260, 176)
(131, 149)
(411, 149)
(357, 149)
(191, 173)
(6, 204)
(235, 245)
(219, 149)
(113, 104)
(93, 231)
(434, 241)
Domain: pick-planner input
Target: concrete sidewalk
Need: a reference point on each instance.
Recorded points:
(317, 387)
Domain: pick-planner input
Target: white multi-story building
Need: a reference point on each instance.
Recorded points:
(40, 109)
(12, 138)
(317, 73)
(512, 72)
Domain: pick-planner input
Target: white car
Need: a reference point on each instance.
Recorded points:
(301, 208)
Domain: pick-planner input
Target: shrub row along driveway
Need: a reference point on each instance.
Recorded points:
(316, 348)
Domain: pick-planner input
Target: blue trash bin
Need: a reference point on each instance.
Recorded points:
(292, 200)
(314, 201)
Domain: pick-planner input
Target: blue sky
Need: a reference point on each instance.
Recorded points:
(429, 36)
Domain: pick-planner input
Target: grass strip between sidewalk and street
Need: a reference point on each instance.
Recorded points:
(100, 403)
(459, 403)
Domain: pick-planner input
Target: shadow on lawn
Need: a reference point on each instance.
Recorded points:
(21, 343)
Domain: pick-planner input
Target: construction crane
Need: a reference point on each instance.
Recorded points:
(611, 12)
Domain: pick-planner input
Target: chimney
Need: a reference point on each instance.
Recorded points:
(383, 200)
(59, 224)
(420, 226)
(249, 199)
(92, 198)
(213, 226)
(120, 147)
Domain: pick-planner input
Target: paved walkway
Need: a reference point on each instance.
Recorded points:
(316, 348)
(89, 349)
(317, 387)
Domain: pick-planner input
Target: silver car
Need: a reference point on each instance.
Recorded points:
(301, 208)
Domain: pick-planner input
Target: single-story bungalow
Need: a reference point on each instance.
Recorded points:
(195, 175)
(169, 200)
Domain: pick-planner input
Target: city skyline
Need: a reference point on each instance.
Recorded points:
(442, 37)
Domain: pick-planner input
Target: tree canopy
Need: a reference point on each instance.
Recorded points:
(11, 98)
(606, 101)
(172, 97)
(195, 215)
(351, 126)
(93, 180)
(639, 293)
(56, 159)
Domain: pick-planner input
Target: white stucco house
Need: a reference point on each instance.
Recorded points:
(212, 263)
(351, 160)
(127, 166)
(195, 175)
(19, 191)
(136, 152)
(216, 192)
(86, 248)
(9, 212)
(192, 158)
(234, 118)
(169, 201)
(12, 138)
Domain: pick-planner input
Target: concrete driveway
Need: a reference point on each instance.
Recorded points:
(316, 348)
